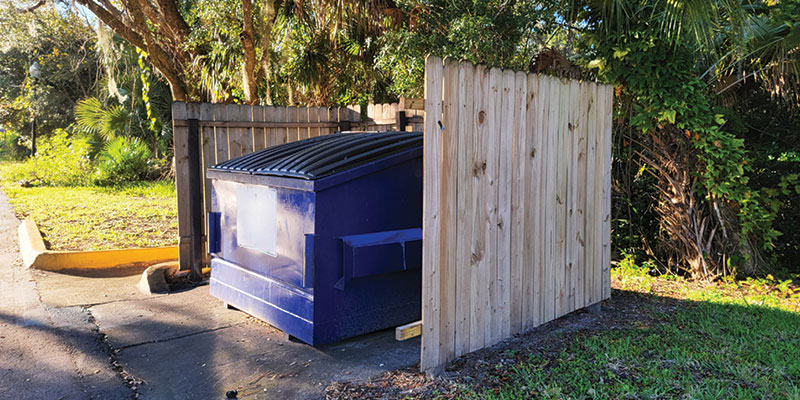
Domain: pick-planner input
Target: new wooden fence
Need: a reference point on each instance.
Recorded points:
(516, 224)
(207, 134)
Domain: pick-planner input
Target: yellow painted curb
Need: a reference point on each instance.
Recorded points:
(35, 255)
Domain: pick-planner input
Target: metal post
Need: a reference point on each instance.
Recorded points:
(401, 121)
(33, 135)
(195, 200)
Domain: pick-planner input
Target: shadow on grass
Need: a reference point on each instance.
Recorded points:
(649, 346)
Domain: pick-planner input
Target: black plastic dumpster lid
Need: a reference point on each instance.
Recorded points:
(321, 156)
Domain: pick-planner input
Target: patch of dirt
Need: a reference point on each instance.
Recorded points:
(181, 280)
(489, 368)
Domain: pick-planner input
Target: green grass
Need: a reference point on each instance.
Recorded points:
(140, 214)
(738, 340)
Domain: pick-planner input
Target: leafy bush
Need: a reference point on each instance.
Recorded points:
(92, 116)
(60, 160)
(122, 160)
(10, 147)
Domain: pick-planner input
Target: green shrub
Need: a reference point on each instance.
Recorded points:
(60, 160)
(123, 160)
(10, 147)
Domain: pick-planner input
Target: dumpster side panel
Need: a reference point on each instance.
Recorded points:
(352, 300)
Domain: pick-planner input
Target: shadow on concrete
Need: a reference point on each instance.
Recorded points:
(87, 366)
(188, 345)
(115, 272)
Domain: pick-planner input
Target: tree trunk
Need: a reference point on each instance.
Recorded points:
(249, 83)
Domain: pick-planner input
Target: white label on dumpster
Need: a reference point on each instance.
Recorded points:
(256, 220)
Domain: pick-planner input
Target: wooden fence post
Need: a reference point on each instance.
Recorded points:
(188, 183)
(196, 200)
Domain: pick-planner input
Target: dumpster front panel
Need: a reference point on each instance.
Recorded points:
(271, 247)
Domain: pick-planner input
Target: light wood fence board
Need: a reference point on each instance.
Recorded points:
(580, 192)
(234, 134)
(259, 134)
(504, 203)
(530, 240)
(550, 206)
(447, 215)
(493, 331)
(528, 225)
(180, 145)
(479, 289)
(430, 225)
(570, 244)
(221, 133)
(608, 102)
(516, 222)
(207, 147)
(591, 241)
(463, 231)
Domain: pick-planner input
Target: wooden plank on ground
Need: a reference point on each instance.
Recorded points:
(516, 223)
(479, 286)
(449, 323)
(504, 203)
(408, 331)
(429, 357)
(462, 197)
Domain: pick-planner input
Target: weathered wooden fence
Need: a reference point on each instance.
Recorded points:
(208, 134)
(516, 224)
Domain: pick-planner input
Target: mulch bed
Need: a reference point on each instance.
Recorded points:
(489, 368)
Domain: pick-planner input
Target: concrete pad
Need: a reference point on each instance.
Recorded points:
(87, 287)
(254, 360)
(133, 322)
(188, 345)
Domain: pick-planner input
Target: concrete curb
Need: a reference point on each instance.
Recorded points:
(35, 255)
(154, 278)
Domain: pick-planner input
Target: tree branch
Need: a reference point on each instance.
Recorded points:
(173, 18)
(113, 18)
(31, 8)
(156, 54)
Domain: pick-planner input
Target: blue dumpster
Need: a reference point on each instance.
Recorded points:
(321, 237)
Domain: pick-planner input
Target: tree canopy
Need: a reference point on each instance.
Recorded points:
(706, 92)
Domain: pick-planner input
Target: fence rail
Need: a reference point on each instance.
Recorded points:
(208, 134)
(516, 225)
